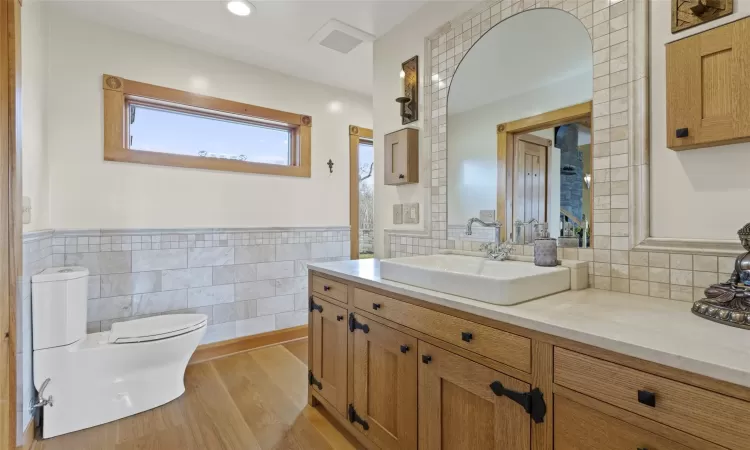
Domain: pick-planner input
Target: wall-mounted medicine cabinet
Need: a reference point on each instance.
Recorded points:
(708, 88)
(402, 157)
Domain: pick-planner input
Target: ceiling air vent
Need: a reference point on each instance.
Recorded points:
(341, 37)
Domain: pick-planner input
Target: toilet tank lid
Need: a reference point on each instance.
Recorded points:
(60, 274)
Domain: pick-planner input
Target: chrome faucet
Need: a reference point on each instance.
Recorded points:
(497, 250)
(519, 237)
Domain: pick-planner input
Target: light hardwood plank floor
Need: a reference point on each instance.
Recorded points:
(251, 400)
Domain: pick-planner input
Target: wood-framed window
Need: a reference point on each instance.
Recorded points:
(149, 124)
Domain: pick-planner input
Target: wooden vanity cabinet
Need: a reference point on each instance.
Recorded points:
(708, 90)
(403, 374)
(328, 343)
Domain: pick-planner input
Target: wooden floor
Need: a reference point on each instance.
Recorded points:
(251, 400)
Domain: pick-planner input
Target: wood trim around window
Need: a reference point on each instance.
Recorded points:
(117, 91)
(356, 135)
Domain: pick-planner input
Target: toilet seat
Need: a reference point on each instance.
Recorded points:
(155, 328)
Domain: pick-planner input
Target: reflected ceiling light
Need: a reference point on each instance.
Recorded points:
(240, 7)
(587, 180)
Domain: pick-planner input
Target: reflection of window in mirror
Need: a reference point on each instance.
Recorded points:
(518, 130)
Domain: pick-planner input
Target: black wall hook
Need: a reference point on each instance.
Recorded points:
(330, 165)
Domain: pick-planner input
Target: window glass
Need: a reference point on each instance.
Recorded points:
(162, 129)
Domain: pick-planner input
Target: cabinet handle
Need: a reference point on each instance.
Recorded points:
(682, 132)
(466, 337)
(647, 398)
(642, 448)
(426, 359)
(315, 307)
(532, 402)
(401, 176)
(313, 381)
(354, 417)
(404, 348)
(354, 325)
(326, 288)
(376, 306)
(339, 317)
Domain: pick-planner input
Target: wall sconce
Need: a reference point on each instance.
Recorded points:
(409, 80)
(587, 180)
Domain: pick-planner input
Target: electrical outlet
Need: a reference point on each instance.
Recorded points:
(487, 215)
(26, 210)
(398, 214)
(411, 213)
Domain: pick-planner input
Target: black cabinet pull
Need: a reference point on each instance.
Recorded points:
(647, 398)
(326, 288)
(466, 337)
(376, 306)
(426, 359)
(404, 348)
(313, 381)
(681, 132)
(315, 307)
(354, 325)
(401, 176)
(532, 402)
(353, 417)
(642, 448)
(339, 317)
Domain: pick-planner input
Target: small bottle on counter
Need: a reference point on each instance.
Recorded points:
(545, 248)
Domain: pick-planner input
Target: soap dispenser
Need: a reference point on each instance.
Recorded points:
(545, 247)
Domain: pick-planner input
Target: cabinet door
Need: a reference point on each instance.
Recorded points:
(395, 158)
(459, 410)
(385, 385)
(708, 92)
(328, 340)
(579, 427)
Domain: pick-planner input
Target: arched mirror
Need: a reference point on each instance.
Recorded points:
(519, 137)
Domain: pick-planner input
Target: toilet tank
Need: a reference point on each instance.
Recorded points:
(58, 306)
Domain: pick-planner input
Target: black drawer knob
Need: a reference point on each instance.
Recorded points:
(466, 337)
(426, 359)
(376, 306)
(339, 318)
(404, 348)
(681, 132)
(647, 398)
(326, 288)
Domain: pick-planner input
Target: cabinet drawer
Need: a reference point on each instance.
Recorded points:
(501, 346)
(578, 427)
(329, 288)
(711, 416)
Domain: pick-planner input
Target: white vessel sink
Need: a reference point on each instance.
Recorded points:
(497, 282)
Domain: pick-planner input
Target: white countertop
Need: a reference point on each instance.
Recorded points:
(657, 330)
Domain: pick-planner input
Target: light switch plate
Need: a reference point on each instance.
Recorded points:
(487, 215)
(398, 216)
(411, 213)
(26, 210)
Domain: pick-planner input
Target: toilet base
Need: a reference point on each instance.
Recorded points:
(93, 382)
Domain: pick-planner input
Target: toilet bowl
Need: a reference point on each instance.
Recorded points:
(97, 378)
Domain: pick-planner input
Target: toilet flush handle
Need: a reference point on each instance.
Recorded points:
(41, 400)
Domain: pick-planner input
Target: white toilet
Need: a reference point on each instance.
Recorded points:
(101, 377)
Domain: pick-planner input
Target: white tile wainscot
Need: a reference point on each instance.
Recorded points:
(247, 281)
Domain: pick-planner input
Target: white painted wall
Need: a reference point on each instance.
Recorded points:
(87, 192)
(472, 142)
(401, 43)
(698, 194)
(35, 176)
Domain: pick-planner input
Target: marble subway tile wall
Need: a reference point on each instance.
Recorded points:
(37, 256)
(246, 281)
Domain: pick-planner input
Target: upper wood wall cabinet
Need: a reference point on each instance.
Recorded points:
(708, 88)
(402, 157)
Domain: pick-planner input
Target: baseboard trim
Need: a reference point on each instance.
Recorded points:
(208, 352)
(28, 437)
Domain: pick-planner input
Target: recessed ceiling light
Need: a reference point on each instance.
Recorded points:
(240, 7)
